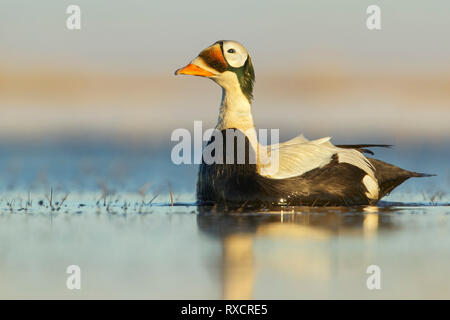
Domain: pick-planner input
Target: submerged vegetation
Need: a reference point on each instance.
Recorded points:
(142, 202)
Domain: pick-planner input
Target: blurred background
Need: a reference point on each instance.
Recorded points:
(319, 69)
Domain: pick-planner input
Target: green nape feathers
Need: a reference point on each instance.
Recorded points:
(246, 77)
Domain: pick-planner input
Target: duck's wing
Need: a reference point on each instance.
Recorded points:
(298, 139)
(296, 159)
(300, 155)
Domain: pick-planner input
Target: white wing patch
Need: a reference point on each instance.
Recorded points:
(300, 155)
(371, 185)
(295, 159)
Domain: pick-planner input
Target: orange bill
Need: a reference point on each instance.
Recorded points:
(194, 70)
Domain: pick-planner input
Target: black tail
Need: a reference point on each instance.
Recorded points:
(390, 176)
(362, 147)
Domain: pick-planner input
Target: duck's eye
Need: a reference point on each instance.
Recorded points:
(231, 50)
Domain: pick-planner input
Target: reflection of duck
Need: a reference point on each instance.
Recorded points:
(314, 259)
(307, 172)
(312, 223)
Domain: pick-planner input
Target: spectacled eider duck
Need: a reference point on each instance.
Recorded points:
(313, 173)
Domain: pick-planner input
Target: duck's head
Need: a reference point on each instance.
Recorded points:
(227, 63)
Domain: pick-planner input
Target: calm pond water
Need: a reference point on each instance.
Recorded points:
(107, 208)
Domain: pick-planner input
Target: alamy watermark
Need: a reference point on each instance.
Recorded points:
(374, 280)
(227, 146)
(373, 21)
(73, 22)
(74, 279)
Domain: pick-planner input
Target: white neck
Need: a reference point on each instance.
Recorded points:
(235, 109)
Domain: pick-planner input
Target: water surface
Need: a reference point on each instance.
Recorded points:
(107, 208)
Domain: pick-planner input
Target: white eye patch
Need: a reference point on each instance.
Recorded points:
(234, 53)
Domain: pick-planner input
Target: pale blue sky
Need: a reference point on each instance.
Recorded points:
(158, 36)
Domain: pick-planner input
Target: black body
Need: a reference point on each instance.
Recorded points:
(336, 184)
